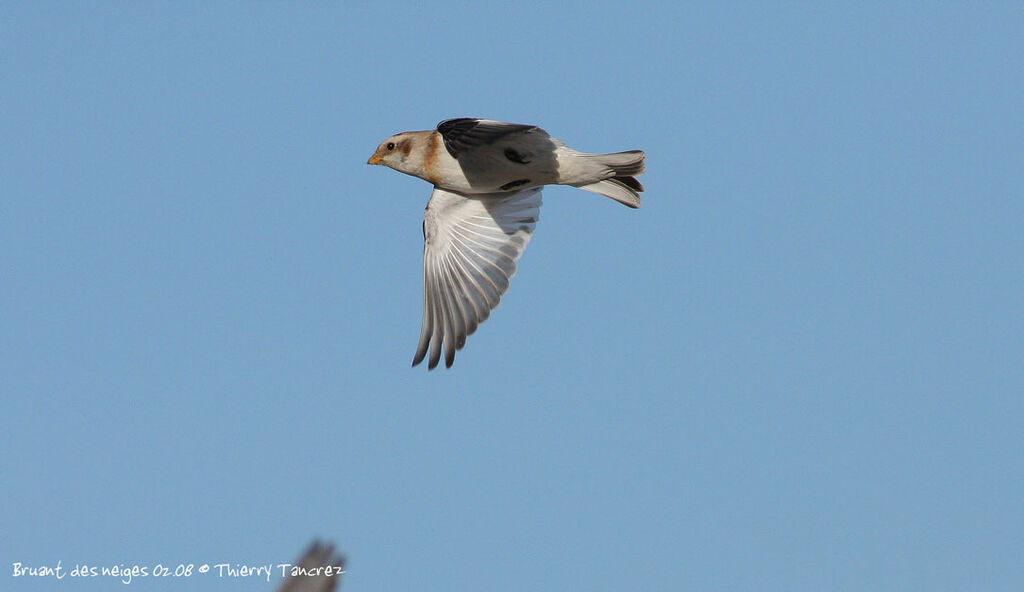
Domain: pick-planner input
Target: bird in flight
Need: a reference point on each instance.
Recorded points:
(487, 177)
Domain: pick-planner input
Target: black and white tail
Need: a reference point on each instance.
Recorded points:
(622, 184)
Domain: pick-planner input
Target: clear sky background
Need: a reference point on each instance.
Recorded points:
(797, 367)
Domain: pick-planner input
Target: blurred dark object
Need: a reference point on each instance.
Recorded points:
(319, 570)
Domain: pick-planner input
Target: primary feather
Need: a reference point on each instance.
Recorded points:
(471, 244)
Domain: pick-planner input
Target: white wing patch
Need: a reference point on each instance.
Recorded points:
(471, 244)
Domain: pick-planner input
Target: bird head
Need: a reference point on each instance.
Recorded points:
(394, 151)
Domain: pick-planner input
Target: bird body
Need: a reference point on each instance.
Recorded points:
(487, 177)
(486, 156)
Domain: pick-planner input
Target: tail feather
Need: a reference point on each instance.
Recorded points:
(617, 189)
(623, 164)
(622, 185)
(632, 182)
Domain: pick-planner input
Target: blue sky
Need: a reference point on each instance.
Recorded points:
(796, 367)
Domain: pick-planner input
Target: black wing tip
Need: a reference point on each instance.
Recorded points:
(456, 121)
(420, 356)
(463, 133)
(421, 352)
(449, 360)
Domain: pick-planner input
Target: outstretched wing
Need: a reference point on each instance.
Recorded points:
(467, 133)
(471, 244)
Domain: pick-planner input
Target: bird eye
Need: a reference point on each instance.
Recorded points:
(391, 145)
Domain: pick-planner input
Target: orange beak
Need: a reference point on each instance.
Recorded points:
(375, 159)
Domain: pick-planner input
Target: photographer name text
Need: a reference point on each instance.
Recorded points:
(129, 573)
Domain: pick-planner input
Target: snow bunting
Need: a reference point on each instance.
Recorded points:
(487, 177)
